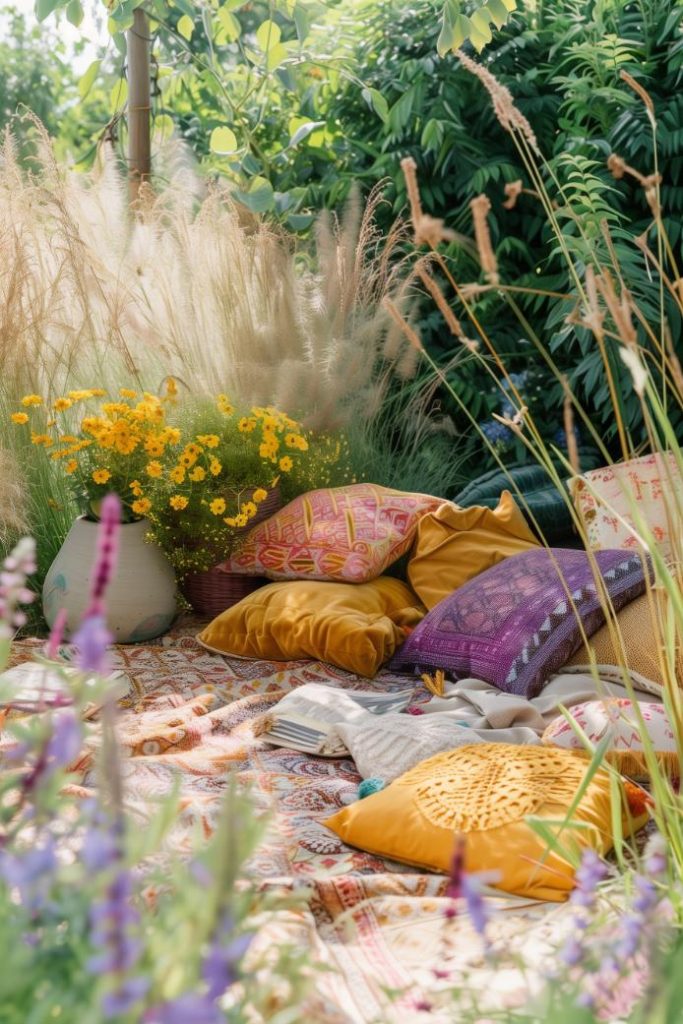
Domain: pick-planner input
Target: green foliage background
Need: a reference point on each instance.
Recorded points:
(294, 101)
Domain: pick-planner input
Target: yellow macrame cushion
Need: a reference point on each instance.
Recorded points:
(453, 545)
(357, 626)
(485, 792)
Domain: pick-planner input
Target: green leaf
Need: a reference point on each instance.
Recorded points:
(259, 198)
(223, 140)
(498, 12)
(268, 35)
(45, 7)
(87, 80)
(275, 56)
(302, 22)
(229, 24)
(375, 100)
(118, 96)
(300, 221)
(163, 126)
(74, 12)
(303, 131)
(481, 25)
(185, 27)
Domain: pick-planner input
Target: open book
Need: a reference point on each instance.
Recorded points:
(305, 718)
(32, 687)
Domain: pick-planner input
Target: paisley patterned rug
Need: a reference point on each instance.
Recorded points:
(376, 925)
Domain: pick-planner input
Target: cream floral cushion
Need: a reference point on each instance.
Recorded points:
(617, 718)
(604, 499)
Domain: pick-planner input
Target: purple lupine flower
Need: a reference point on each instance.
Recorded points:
(64, 743)
(220, 967)
(573, 951)
(495, 433)
(589, 874)
(476, 907)
(92, 639)
(56, 635)
(656, 860)
(30, 872)
(107, 552)
(189, 1008)
(112, 924)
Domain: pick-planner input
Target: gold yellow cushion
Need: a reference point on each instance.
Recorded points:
(485, 792)
(641, 627)
(455, 544)
(354, 625)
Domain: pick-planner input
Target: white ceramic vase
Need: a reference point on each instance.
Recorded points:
(141, 598)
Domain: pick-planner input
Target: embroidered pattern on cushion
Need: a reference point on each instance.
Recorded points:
(603, 499)
(497, 627)
(344, 533)
(477, 788)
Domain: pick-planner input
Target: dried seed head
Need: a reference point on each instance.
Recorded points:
(503, 104)
(480, 207)
(431, 231)
(401, 322)
(409, 168)
(513, 191)
(638, 88)
(616, 166)
(440, 300)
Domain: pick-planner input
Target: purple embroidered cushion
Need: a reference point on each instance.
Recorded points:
(513, 625)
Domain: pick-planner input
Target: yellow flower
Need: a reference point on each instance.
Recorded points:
(19, 417)
(259, 495)
(193, 449)
(43, 439)
(187, 459)
(249, 509)
(267, 450)
(62, 403)
(127, 393)
(96, 393)
(79, 396)
(224, 405)
(177, 474)
(154, 469)
(125, 445)
(209, 440)
(170, 435)
(136, 488)
(197, 474)
(246, 425)
(100, 476)
(178, 502)
(154, 446)
(241, 520)
(217, 506)
(230, 521)
(71, 466)
(141, 507)
(114, 408)
(215, 467)
(31, 400)
(296, 441)
(171, 386)
(286, 464)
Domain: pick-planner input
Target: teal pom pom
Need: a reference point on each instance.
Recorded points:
(370, 786)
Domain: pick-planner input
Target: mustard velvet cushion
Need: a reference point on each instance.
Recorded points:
(355, 626)
(453, 545)
(485, 792)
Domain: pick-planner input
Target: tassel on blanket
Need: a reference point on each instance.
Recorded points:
(262, 724)
(436, 684)
(634, 765)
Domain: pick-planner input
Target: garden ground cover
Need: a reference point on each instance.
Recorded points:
(370, 924)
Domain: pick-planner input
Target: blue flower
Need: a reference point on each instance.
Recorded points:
(495, 432)
(92, 639)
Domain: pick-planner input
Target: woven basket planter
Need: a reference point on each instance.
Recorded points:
(212, 591)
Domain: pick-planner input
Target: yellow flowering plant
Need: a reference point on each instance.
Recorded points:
(104, 442)
(228, 464)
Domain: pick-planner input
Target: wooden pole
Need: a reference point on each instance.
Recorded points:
(139, 103)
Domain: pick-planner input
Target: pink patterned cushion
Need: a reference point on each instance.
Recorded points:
(343, 533)
(616, 718)
(604, 500)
